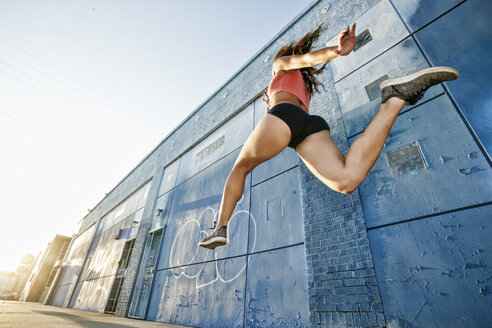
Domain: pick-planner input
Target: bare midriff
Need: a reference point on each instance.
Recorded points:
(285, 97)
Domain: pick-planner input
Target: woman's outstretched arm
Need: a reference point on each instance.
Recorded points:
(346, 42)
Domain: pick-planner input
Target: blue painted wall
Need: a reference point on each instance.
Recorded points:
(450, 127)
(410, 247)
(428, 226)
(461, 38)
(436, 272)
(259, 279)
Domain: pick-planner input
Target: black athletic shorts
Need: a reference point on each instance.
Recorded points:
(301, 124)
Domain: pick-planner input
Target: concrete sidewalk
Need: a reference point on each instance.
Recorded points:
(18, 314)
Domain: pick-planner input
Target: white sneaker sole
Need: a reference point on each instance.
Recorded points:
(410, 77)
(213, 243)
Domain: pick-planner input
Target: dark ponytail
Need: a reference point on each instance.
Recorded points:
(301, 47)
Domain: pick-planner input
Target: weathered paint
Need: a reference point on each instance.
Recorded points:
(447, 42)
(276, 209)
(357, 109)
(74, 261)
(163, 203)
(97, 276)
(446, 183)
(234, 133)
(417, 13)
(193, 209)
(436, 272)
(94, 281)
(169, 177)
(276, 291)
(257, 278)
(196, 286)
(386, 30)
(200, 297)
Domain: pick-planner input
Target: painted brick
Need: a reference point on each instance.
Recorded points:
(357, 319)
(350, 319)
(327, 307)
(329, 318)
(364, 319)
(373, 321)
(347, 307)
(376, 307)
(323, 319)
(381, 319)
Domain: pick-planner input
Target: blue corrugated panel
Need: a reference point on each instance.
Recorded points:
(206, 295)
(169, 177)
(223, 141)
(463, 39)
(277, 289)
(436, 272)
(194, 207)
(457, 174)
(276, 210)
(418, 13)
(385, 29)
(357, 108)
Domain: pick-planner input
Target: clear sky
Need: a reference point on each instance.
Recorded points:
(88, 88)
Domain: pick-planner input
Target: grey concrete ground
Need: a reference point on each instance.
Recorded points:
(18, 314)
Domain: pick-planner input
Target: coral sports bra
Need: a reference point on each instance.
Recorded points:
(292, 83)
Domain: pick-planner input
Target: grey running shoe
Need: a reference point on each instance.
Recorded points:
(215, 238)
(411, 87)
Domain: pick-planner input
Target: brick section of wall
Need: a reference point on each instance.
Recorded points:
(133, 266)
(342, 284)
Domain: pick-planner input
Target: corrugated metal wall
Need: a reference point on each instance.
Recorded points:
(260, 276)
(425, 201)
(426, 204)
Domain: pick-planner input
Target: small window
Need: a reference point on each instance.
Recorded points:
(362, 39)
(407, 159)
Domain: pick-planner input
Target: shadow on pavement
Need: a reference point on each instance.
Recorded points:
(84, 322)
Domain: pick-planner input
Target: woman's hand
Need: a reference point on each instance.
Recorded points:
(346, 41)
(267, 100)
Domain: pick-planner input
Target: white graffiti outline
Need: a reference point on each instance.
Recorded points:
(218, 276)
(252, 248)
(172, 248)
(198, 224)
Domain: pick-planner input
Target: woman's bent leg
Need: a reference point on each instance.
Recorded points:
(270, 137)
(325, 161)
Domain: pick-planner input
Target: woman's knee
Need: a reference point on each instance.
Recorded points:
(245, 165)
(346, 183)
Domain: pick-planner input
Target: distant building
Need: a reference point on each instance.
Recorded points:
(45, 272)
(23, 272)
(12, 283)
(8, 281)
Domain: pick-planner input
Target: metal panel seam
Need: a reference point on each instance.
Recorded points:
(230, 257)
(446, 90)
(430, 215)
(404, 111)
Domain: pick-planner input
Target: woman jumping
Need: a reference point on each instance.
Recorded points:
(288, 124)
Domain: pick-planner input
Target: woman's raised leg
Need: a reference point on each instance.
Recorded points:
(323, 158)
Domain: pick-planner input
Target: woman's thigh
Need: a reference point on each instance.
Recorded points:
(323, 158)
(270, 137)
